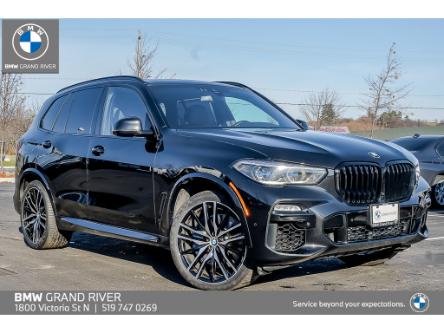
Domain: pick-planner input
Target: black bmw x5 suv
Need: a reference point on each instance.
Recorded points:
(215, 172)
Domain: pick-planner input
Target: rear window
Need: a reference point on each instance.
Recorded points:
(62, 117)
(51, 115)
(440, 149)
(81, 110)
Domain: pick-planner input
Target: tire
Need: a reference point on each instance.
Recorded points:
(38, 221)
(369, 259)
(209, 262)
(438, 195)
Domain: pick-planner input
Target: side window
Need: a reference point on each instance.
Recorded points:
(51, 115)
(122, 102)
(62, 117)
(82, 105)
(440, 149)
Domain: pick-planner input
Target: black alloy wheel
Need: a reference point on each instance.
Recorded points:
(209, 244)
(34, 216)
(38, 220)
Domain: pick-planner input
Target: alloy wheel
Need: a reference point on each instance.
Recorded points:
(34, 215)
(212, 242)
(439, 193)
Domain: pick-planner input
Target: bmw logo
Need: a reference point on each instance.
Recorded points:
(378, 214)
(30, 41)
(374, 155)
(419, 302)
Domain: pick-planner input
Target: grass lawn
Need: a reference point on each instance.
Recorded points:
(394, 133)
(11, 162)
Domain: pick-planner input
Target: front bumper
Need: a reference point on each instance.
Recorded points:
(326, 226)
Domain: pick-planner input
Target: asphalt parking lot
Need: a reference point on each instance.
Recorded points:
(97, 263)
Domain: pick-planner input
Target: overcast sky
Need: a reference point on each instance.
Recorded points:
(284, 59)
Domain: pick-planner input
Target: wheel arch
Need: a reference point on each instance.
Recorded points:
(196, 182)
(438, 178)
(28, 175)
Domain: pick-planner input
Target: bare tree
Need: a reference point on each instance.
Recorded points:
(142, 62)
(10, 100)
(11, 104)
(322, 108)
(383, 93)
(14, 117)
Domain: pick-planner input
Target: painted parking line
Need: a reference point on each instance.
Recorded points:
(436, 215)
(435, 223)
(435, 218)
(435, 238)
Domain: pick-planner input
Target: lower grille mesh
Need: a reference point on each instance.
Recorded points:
(289, 238)
(365, 233)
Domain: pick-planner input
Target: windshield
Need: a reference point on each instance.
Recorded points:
(216, 106)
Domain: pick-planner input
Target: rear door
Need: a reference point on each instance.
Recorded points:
(120, 173)
(70, 122)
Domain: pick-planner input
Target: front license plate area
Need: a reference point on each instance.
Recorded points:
(385, 214)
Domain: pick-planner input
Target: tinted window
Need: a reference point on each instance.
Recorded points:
(243, 110)
(62, 117)
(213, 106)
(51, 115)
(122, 102)
(440, 149)
(81, 110)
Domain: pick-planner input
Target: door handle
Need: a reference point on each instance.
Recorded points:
(46, 144)
(98, 150)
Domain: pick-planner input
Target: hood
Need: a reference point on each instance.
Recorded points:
(308, 147)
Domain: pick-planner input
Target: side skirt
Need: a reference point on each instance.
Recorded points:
(74, 224)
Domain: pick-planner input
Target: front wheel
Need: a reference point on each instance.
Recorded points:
(209, 244)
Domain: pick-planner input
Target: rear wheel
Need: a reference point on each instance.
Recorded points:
(38, 221)
(438, 194)
(209, 244)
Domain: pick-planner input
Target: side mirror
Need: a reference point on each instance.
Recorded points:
(303, 124)
(131, 127)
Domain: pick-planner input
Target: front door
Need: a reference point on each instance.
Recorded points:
(120, 175)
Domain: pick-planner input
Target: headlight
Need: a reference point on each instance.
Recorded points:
(279, 173)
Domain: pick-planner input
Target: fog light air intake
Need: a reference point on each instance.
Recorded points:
(287, 227)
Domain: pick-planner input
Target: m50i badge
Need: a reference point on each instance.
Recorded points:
(30, 46)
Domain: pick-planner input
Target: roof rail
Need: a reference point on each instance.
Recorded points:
(232, 83)
(116, 77)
